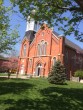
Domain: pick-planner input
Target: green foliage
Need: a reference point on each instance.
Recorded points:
(57, 74)
(8, 37)
(79, 73)
(66, 14)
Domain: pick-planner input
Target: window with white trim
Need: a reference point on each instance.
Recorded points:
(24, 50)
(42, 48)
(54, 61)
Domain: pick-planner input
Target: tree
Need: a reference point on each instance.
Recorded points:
(57, 74)
(13, 53)
(13, 59)
(79, 73)
(8, 37)
(13, 66)
(55, 13)
(4, 64)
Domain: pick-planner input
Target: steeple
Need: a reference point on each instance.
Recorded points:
(32, 24)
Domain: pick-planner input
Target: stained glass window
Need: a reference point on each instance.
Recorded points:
(24, 52)
(42, 48)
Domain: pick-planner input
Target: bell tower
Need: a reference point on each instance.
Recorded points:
(32, 25)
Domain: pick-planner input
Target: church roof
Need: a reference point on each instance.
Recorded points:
(73, 45)
(70, 43)
(55, 33)
(30, 35)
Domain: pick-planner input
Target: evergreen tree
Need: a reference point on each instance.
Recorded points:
(57, 74)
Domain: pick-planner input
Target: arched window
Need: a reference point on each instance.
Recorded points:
(42, 48)
(24, 50)
(45, 47)
(38, 49)
(54, 61)
(38, 69)
(30, 63)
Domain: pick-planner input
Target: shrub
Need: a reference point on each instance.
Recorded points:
(79, 73)
(57, 74)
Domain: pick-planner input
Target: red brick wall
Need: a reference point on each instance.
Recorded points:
(73, 63)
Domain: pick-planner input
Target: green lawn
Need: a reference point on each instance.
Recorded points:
(3, 74)
(38, 94)
(6, 74)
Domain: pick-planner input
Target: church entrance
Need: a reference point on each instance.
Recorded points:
(38, 70)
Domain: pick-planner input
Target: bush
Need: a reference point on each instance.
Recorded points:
(79, 73)
(57, 74)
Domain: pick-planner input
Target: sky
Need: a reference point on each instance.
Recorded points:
(18, 19)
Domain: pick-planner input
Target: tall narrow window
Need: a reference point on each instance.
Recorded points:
(42, 48)
(54, 61)
(45, 47)
(30, 63)
(38, 49)
(24, 52)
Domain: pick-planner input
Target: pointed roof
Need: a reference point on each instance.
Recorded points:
(73, 45)
(30, 35)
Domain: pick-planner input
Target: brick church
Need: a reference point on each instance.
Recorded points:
(41, 48)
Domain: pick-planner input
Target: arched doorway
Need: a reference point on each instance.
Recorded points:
(38, 69)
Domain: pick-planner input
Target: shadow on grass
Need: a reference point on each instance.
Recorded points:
(53, 98)
(63, 98)
(3, 78)
(14, 86)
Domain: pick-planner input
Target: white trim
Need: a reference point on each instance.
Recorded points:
(41, 56)
(55, 36)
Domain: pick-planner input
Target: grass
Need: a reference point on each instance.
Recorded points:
(38, 94)
(3, 74)
(6, 74)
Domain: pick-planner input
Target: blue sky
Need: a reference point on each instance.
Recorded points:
(18, 19)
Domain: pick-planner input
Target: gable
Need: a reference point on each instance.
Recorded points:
(41, 61)
(42, 34)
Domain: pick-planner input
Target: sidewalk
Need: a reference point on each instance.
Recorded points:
(15, 76)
